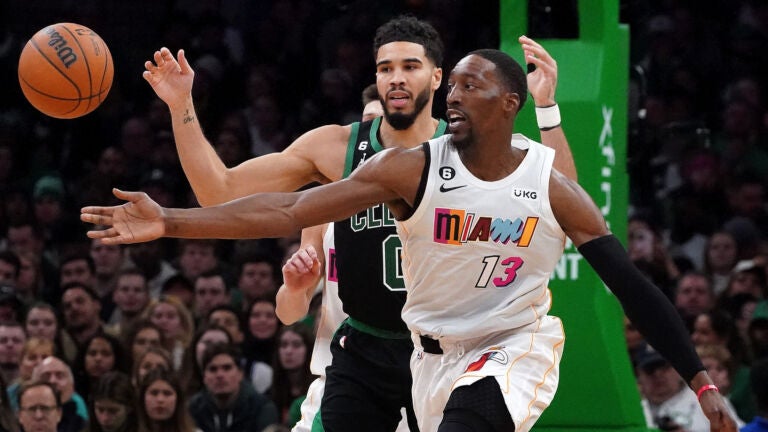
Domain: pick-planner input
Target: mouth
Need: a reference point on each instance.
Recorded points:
(398, 98)
(455, 118)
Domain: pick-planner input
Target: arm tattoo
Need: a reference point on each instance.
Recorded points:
(188, 118)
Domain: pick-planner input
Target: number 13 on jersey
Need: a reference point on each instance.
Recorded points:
(510, 265)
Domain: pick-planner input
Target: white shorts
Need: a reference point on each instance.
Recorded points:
(525, 362)
(311, 405)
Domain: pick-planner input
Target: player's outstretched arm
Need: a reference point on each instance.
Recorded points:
(542, 83)
(214, 183)
(644, 304)
(301, 274)
(392, 175)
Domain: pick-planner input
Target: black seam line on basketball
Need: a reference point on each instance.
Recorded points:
(87, 66)
(80, 99)
(34, 44)
(107, 57)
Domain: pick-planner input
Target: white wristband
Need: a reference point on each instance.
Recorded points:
(548, 117)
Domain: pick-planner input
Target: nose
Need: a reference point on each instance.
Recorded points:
(453, 98)
(397, 78)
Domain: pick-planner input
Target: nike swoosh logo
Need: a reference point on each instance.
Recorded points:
(448, 189)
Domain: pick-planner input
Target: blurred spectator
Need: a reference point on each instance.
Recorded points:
(260, 343)
(258, 276)
(12, 338)
(29, 284)
(205, 337)
(197, 257)
(180, 287)
(43, 322)
(292, 376)
(720, 256)
(719, 365)
(749, 278)
(28, 237)
(265, 120)
(33, 353)
(150, 359)
(758, 331)
(371, 103)
(108, 260)
(636, 344)
(646, 249)
(175, 321)
(148, 257)
(668, 404)
(759, 384)
(10, 266)
(74, 412)
(11, 306)
(81, 312)
(102, 353)
(228, 402)
(112, 407)
(228, 318)
(141, 336)
(694, 295)
(211, 290)
(162, 404)
(40, 408)
(78, 267)
(131, 296)
(8, 421)
(334, 101)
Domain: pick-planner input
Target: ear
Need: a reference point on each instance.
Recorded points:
(437, 78)
(511, 102)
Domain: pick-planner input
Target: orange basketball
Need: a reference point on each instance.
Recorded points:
(66, 70)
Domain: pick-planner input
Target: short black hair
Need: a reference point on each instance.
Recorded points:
(222, 349)
(11, 258)
(508, 70)
(407, 28)
(370, 94)
(88, 290)
(77, 256)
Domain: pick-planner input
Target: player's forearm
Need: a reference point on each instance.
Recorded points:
(292, 305)
(203, 167)
(255, 216)
(555, 138)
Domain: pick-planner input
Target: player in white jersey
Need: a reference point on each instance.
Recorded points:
(474, 378)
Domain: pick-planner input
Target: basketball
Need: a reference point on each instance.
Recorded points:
(65, 70)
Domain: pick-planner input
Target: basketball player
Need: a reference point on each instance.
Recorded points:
(408, 55)
(483, 224)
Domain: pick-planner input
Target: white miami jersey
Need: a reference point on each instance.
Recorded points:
(477, 255)
(331, 310)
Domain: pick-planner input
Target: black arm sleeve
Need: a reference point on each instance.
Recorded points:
(644, 304)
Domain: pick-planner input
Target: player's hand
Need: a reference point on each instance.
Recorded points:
(719, 416)
(138, 220)
(171, 79)
(302, 270)
(542, 82)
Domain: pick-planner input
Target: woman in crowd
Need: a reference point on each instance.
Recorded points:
(112, 407)
(720, 256)
(175, 322)
(101, 353)
(205, 337)
(162, 405)
(142, 336)
(292, 375)
(152, 358)
(33, 353)
(43, 322)
(260, 342)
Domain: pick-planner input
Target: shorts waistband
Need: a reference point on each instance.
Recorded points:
(375, 331)
(430, 346)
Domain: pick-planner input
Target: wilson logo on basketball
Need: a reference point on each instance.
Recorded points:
(59, 44)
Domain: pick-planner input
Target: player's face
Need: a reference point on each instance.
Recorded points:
(406, 80)
(475, 100)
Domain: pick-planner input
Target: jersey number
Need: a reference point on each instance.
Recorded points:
(510, 264)
(393, 268)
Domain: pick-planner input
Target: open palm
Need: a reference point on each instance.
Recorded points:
(138, 220)
(170, 79)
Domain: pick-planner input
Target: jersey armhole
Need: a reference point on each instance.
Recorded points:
(350, 149)
(422, 182)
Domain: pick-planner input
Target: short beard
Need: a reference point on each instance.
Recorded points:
(400, 121)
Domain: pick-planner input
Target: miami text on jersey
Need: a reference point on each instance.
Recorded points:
(456, 227)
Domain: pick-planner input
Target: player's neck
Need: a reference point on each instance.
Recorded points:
(422, 129)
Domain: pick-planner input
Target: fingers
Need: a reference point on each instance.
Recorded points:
(302, 261)
(92, 215)
(128, 195)
(104, 234)
(183, 63)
